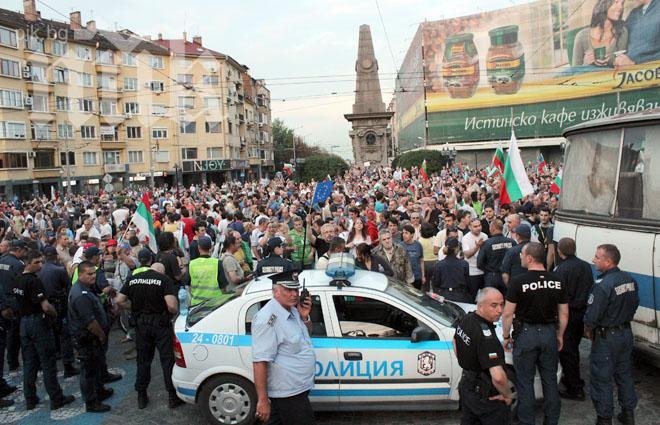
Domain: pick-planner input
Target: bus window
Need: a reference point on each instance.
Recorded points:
(590, 172)
(638, 194)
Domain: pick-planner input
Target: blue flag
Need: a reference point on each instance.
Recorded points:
(323, 191)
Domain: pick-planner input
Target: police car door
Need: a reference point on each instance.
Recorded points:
(378, 363)
(326, 391)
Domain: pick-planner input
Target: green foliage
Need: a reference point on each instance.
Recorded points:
(283, 138)
(319, 166)
(434, 160)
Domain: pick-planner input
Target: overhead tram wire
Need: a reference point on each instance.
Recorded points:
(387, 38)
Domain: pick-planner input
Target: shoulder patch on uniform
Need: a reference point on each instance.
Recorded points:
(272, 320)
(492, 356)
(590, 300)
(485, 330)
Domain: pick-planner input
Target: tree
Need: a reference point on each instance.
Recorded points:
(320, 166)
(434, 160)
(283, 137)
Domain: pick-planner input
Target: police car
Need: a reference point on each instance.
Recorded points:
(379, 345)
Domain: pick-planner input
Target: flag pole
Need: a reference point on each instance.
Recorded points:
(309, 213)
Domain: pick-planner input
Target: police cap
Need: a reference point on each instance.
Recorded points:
(523, 231)
(18, 244)
(144, 256)
(288, 280)
(274, 242)
(451, 243)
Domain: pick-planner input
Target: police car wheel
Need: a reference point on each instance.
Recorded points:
(228, 399)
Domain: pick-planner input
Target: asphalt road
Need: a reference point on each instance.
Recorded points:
(124, 402)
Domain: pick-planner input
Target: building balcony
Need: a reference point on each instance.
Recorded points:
(44, 144)
(41, 116)
(109, 93)
(106, 68)
(268, 162)
(115, 168)
(111, 119)
(46, 172)
(39, 87)
(112, 144)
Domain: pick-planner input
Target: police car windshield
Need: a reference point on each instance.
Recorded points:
(205, 308)
(443, 312)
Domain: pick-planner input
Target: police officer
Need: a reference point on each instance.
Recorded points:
(511, 265)
(283, 356)
(274, 262)
(207, 278)
(11, 266)
(578, 278)
(484, 388)
(451, 274)
(491, 255)
(539, 300)
(37, 337)
(87, 324)
(611, 306)
(152, 299)
(57, 285)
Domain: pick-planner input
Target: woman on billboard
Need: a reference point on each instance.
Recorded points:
(604, 39)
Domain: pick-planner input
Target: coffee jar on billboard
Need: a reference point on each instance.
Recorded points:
(505, 61)
(460, 66)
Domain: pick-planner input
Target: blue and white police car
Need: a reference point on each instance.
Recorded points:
(379, 345)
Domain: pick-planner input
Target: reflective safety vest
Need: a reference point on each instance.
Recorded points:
(74, 280)
(140, 270)
(204, 279)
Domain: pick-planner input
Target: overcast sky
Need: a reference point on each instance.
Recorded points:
(314, 41)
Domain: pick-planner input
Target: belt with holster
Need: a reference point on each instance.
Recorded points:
(478, 382)
(603, 330)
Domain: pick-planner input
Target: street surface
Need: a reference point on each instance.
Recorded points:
(124, 402)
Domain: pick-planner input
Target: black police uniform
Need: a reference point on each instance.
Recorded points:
(85, 307)
(450, 279)
(578, 278)
(37, 341)
(478, 349)
(511, 262)
(490, 259)
(153, 325)
(536, 295)
(611, 307)
(56, 283)
(273, 264)
(10, 268)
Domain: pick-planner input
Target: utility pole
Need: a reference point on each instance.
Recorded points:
(68, 165)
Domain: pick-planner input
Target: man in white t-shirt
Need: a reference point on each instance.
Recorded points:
(87, 227)
(258, 233)
(471, 243)
(441, 237)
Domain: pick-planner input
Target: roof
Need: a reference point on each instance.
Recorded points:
(179, 46)
(106, 40)
(318, 279)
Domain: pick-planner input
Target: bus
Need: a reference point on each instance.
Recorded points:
(611, 194)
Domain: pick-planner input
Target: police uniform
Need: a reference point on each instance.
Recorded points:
(536, 295)
(578, 278)
(477, 350)
(490, 259)
(10, 268)
(85, 307)
(511, 262)
(273, 264)
(153, 330)
(610, 308)
(450, 279)
(280, 338)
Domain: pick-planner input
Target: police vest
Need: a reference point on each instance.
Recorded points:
(204, 279)
(140, 270)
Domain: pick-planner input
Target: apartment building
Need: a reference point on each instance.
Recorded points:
(81, 107)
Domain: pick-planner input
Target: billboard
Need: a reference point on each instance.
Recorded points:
(539, 67)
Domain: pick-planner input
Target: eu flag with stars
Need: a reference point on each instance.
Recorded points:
(323, 191)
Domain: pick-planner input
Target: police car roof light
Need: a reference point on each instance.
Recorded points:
(340, 266)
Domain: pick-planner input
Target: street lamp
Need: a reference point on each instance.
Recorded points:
(293, 141)
(448, 154)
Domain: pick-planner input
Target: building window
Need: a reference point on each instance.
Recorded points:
(85, 105)
(135, 157)
(162, 156)
(8, 37)
(60, 48)
(185, 63)
(212, 103)
(84, 53)
(38, 74)
(213, 127)
(186, 102)
(12, 130)
(157, 62)
(158, 110)
(157, 86)
(85, 79)
(44, 159)
(210, 80)
(64, 131)
(189, 153)
(133, 132)
(109, 133)
(13, 160)
(187, 127)
(87, 131)
(184, 78)
(132, 108)
(128, 59)
(63, 103)
(63, 158)
(61, 75)
(111, 157)
(89, 158)
(214, 152)
(108, 107)
(10, 68)
(40, 131)
(130, 84)
(229, 127)
(159, 133)
(40, 102)
(105, 57)
(11, 99)
(106, 82)
(35, 44)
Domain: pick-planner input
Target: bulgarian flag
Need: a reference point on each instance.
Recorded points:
(556, 185)
(542, 163)
(144, 226)
(499, 159)
(288, 169)
(515, 183)
(422, 171)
